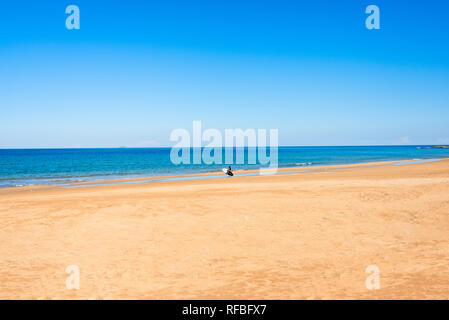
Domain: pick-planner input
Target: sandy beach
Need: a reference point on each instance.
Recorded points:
(287, 236)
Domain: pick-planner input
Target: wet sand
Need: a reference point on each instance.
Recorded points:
(287, 236)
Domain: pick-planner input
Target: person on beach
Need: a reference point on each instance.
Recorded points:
(229, 172)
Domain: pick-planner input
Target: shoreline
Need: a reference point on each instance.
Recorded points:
(213, 174)
(53, 167)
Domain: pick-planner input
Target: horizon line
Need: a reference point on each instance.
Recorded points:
(283, 146)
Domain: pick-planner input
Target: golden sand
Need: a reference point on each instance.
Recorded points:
(287, 236)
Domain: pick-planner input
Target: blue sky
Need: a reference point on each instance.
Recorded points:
(136, 70)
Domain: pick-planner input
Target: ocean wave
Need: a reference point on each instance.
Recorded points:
(303, 163)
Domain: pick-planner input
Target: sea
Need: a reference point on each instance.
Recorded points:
(21, 167)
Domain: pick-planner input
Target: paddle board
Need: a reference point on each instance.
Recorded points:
(225, 170)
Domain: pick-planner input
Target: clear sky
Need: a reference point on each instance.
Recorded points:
(136, 70)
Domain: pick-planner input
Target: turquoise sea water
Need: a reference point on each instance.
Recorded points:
(58, 166)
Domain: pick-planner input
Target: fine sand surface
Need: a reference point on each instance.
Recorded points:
(287, 236)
